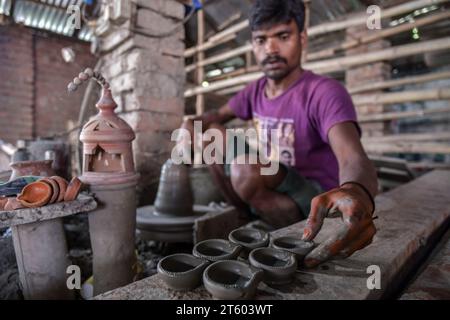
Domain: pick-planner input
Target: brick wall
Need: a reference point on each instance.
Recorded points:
(33, 97)
(16, 85)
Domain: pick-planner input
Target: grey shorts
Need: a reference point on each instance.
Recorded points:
(297, 187)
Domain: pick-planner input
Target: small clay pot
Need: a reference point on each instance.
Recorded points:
(279, 266)
(62, 184)
(13, 204)
(249, 239)
(55, 189)
(31, 168)
(231, 280)
(295, 246)
(35, 194)
(73, 189)
(216, 249)
(174, 196)
(182, 271)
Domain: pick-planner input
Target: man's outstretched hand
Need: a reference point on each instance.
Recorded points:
(356, 231)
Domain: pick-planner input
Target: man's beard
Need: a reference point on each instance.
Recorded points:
(275, 74)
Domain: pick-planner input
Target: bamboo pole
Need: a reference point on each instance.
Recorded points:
(307, 24)
(409, 137)
(200, 103)
(207, 45)
(400, 115)
(345, 22)
(332, 65)
(338, 64)
(400, 82)
(407, 147)
(374, 36)
(400, 97)
(220, 57)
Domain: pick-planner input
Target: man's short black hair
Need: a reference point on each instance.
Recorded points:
(266, 13)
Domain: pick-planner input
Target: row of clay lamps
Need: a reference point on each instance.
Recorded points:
(215, 263)
(45, 191)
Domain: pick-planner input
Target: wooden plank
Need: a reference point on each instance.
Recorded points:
(433, 282)
(409, 216)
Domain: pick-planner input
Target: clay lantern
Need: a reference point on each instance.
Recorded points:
(108, 171)
(107, 143)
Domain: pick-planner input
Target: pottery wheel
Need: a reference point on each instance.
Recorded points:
(167, 228)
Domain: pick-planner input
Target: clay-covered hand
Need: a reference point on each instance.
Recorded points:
(356, 230)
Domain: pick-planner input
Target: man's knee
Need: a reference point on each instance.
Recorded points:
(245, 178)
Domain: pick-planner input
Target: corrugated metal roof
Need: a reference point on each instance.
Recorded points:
(50, 15)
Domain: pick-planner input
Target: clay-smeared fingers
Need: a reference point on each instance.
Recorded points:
(332, 246)
(315, 219)
(361, 241)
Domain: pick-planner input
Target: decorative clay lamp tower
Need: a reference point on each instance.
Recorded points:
(108, 170)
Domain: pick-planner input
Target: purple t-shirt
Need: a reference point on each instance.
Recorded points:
(302, 117)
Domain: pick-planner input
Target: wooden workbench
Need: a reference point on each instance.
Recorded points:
(410, 218)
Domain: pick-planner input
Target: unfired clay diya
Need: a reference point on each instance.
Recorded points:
(279, 266)
(182, 271)
(249, 239)
(231, 280)
(216, 249)
(295, 246)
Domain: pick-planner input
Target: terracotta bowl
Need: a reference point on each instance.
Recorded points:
(182, 271)
(231, 280)
(55, 189)
(62, 184)
(249, 239)
(279, 266)
(216, 249)
(296, 246)
(73, 189)
(35, 194)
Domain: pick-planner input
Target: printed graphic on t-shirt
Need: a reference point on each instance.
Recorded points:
(285, 131)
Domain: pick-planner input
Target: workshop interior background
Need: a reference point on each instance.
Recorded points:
(167, 59)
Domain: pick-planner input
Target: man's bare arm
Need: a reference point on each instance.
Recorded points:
(220, 116)
(354, 165)
(353, 201)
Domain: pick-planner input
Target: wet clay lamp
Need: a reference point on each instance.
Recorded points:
(296, 246)
(249, 239)
(108, 172)
(216, 249)
(231, 280)
(36, 194)
(279, 266)
(182, 271)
